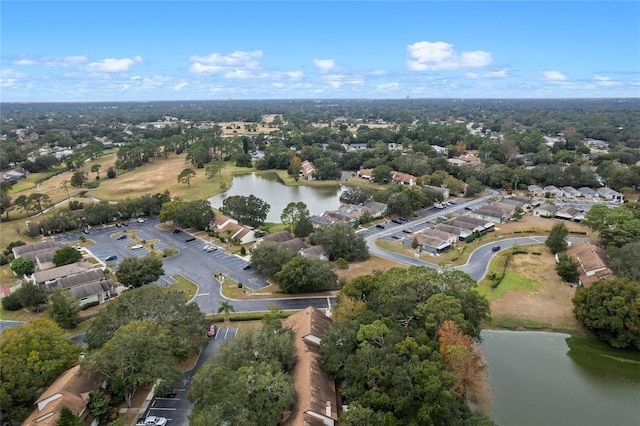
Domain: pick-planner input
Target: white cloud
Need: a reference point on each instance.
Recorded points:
(606, 81)
(180, 85)
(25, 62)
(65, 61)
(437, 56)
(324, 65)
(554, 76)
(113, 65)
(388, 87)
(501, 73)
(11, 73)
(217, 63)
(295, 74)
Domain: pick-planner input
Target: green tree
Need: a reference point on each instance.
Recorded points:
(67, 418)
(611, 309)
(186, 175)
(95, 168)
(341, 241)
(23, 203)
(40, 201)
(111, 173)
(270, 256)
(193, 214)
(400, 204)
(381, 174)
(556, 241)
(66, 256)
(294, 213)
(168, 210)
(31, 296)
(138, 354)
(567, 268)
(226, 308)
(625, 261)
(212, 169)
(136, 272)
(31, 356)
(23, 266)
(78, 178)
(355, 195)
(303, 228)
(185, 322)
(249, 210)
(64, 309)
(304, 275)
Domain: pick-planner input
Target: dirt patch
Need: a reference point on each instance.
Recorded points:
(548, 304)
(374, 264)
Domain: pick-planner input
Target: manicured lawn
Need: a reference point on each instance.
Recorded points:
(511, 281)
(186, 286)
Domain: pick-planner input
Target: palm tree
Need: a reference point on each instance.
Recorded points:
(226, 308)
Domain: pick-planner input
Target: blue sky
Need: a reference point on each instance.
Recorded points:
(169, 50)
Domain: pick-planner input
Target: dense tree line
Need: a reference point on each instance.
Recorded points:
(397, 347)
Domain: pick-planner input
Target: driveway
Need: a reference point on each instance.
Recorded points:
(176, 410)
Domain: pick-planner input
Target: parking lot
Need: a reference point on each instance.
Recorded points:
(177, 409)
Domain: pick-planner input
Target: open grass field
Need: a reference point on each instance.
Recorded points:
(531, 295)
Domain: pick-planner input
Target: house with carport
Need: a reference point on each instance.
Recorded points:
(593, 262)
(554, 191)
(570, 214)
(571, 192)
(496, 212)
(545, 210)
(609, 194)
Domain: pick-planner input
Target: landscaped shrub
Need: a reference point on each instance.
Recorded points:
(89, 305)
(93, 184)
(11, 302)
(3, 259)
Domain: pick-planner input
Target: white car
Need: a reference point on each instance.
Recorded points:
(140, 220)
(152, 421)
(212, 248)
(136, 247)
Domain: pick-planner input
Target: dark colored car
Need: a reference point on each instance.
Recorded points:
(495, 248)
(171, 393)
(396, 221)
(177, 231)
(403, 219)
(122, 237)
(380, 226)
(247, 266)
(188, 240)
(468, 208)
(111, 258)
(213, 329)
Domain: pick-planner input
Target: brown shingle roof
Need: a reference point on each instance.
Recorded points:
(61, 271)
(44, 245)
(80, 278)
(278, 237)
(313, 386)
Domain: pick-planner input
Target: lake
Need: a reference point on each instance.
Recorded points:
(269, 188)
(548, 379)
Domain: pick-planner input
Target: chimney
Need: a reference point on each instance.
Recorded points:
(328, 409)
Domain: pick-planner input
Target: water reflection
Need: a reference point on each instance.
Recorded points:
(269, 188)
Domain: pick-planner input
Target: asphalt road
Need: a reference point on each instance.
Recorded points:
(193, 263)
(176, 410)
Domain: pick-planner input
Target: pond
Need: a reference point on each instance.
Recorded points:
(541, 378)
(268, 187)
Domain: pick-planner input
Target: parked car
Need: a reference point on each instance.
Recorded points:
(111, 258)
(247, 266)
(212, 248)
(403, 219)
(495, 248)
(407, 231)
(177, 231)
(396, 221)
(396, 237)
(152, 421)
(468, 208)
(188, 240)
(122, 237)
(213, 329)
(140, 220)
(207, 247)
(171, 393)
(438, 206)
(380, 226)
(136, 247)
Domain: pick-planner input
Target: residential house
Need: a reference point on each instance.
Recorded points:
(50, 276)
(366, 174)
(340, 218)
(496, 212)
(610, 194)
(31, 251)
(428, 243)
(536, 190)
(479, 224)
(569, 213)
(88, 286)
(294, 244)
(257, 154)
(554, 191)
(403, 178)
(376, 209)
(72, 390)
(452, 229)
(13, 175)
(588, 192)
(316, 396)
(279, 237)
(319, 221)
(315, 252)
(444, 191)
(593, 262)
(571, 192)
(521, 202)
(307, 170)
(545, 210)
(230, 228)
